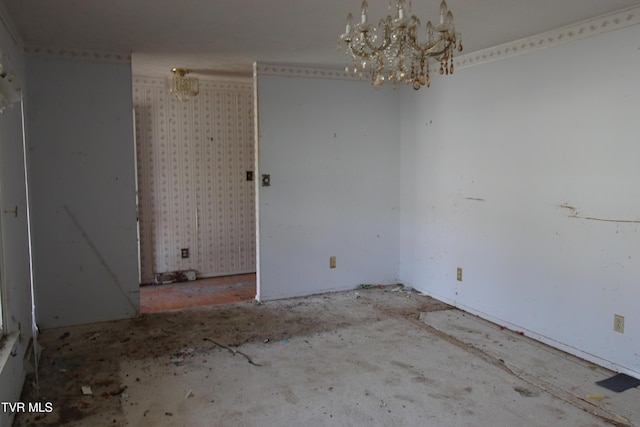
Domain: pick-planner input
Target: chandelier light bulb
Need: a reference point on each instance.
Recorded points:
(400, 9)
(364, 8)
(443, 11)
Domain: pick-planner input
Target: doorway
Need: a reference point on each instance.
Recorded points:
(196, 194)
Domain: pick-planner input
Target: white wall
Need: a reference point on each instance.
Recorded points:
(524, 172)
(80, 138)
(14, 268)
(332, 150)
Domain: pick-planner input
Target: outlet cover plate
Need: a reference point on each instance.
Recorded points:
(618, 323)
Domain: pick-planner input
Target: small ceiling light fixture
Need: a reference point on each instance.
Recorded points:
(181, 85)
(393, 53)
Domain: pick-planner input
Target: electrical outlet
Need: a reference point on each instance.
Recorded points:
(459, 274)
(618, 323)
(184, 252)
(332, 262)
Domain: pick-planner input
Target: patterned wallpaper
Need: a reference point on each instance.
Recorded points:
(192, 187)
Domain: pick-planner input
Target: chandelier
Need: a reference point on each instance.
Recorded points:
(392, 51)
(181, 85)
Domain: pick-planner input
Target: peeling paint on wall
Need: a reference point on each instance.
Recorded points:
(576, 214)
(566, 206)
(633, 221)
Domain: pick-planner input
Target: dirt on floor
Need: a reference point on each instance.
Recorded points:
(79, 366)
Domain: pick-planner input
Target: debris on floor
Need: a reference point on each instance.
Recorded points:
(88, 355)
(158, 369)
(595, 396)
(232, 350)
(174, 276)
(619, 383)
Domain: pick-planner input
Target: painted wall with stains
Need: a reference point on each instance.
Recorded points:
(15, 282)
(332, 151)
(81, 152)
(524, 173)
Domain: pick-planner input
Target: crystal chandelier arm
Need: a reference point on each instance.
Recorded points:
(362, 45)
(386, 38)
(436, 49)
(360, 53)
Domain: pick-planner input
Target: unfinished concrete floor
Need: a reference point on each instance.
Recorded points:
(371, 357)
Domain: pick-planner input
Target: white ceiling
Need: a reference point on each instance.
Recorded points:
(227, 36)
